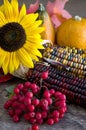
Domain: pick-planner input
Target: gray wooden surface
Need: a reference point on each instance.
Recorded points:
(75, 118)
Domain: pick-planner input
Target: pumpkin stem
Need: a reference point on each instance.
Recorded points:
(77, 18)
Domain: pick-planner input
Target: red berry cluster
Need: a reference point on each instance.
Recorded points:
(49, 107)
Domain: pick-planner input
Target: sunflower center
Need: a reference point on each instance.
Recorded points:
(12, 36)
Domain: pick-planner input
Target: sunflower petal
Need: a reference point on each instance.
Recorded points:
(2, 8)
(15, 9)
(33, 56)
(8, 11)
(2, 19)
(6, 64)
(25, 59)
(34, 38)
(22, 13)
(2, 58)
(31, 18)
(11, 64)
(6, 1)
(36, 52)
(15, 61)
(33, 45)
(34, 30)
(36, 24)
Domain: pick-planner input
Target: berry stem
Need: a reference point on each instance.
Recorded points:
(41, 84)
(41, 80)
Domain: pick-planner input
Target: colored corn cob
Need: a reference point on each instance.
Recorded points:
(73, 58)
(73, 87)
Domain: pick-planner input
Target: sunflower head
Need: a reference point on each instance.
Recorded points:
(12, 37)
(20, 38)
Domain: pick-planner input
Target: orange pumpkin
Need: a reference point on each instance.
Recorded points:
(72, 33)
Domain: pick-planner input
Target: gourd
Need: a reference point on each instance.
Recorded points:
(72, 33)
(49, 32)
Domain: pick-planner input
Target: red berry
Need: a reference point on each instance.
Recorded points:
(50, 121)
(49, 100)
(29, 94)
(32, 120)
(8, 104)
(61, 115)
(35, 90)
(35, 102)
(62, 110)
(44, 102)
(14, 98)
(31, 107)
(55, 113)
(15, 104)
(26, 116)
(60, 104)
(27, 84)
(45, 108)
(35, 127)
(27, 101)
(25, 90)
(11, 112)
(62, 97)
(56, 119)
(57, 94)
(40, 121)
(32, 114)
(20, 86)
(44, 75)
(46, 94)
(21, 98)
(44, 105)
(16, 118)
(18, 111)
(38, 89)
(16, 90)
(44, 114)
(52, 91)
(34, 86)
(38, 115)
(22, 106)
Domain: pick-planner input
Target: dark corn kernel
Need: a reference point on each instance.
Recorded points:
(73, 87)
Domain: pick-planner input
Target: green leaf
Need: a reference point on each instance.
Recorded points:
(10, 95)
(10, 89)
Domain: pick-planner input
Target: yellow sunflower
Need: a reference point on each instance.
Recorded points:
(20, 37)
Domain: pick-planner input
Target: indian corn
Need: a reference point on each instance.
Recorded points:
(73, 58)
(73, 87)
